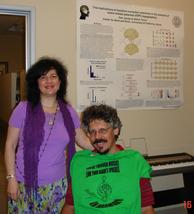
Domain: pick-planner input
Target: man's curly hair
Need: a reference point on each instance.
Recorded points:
(100, 112)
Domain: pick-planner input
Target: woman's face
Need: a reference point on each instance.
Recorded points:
(49, 83)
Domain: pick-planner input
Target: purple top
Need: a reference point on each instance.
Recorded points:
(52, 164)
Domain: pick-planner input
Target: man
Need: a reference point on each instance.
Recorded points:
(108, 180)
(84, 10)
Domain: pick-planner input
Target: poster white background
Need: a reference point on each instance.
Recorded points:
(129, 56)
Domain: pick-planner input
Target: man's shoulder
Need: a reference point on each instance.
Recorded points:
(80, 156)
(133, 153)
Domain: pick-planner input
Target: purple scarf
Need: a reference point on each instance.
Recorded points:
(33, 135)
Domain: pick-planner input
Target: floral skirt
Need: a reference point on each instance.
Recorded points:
(49, 200)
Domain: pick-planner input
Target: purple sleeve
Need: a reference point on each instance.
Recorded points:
(74, 116)
(18, 115)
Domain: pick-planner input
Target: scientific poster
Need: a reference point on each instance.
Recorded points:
(128, 56)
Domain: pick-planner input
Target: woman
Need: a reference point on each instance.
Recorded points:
(40, 130)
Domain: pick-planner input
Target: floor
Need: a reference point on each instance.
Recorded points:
(3, 194)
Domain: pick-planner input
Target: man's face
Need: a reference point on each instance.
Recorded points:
(85, 11)
(102, 136)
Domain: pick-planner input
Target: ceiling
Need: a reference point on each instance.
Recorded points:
(11, 24)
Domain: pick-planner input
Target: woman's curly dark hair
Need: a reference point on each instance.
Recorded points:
(43, 66)
(100, 112)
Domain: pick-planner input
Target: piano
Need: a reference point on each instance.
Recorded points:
(169, 164)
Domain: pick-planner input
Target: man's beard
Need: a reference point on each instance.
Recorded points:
(104, 153)
(101, 141)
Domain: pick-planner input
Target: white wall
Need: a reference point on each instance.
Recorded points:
(164, 130)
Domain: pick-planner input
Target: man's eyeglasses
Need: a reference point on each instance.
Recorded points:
(101, 131)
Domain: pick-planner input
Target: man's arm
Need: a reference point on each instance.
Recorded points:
(147, 196)
(67, 209)
(148, 210)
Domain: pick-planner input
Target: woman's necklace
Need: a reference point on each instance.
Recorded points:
(51, 122)
(50, 109)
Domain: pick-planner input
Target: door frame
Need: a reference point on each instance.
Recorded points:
(29, 14)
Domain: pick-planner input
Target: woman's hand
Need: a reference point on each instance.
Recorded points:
(13, 189)
(82, 140)
(10, 148)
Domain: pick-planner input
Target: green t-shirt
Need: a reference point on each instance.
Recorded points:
(108, 183)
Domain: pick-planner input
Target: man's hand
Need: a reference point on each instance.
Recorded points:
(67, 209)
(148, 210)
